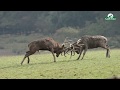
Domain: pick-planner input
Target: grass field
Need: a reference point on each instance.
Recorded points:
(94, 66)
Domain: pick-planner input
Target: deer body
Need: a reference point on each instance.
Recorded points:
(44, 44)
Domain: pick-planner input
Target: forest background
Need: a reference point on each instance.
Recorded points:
(18, 28)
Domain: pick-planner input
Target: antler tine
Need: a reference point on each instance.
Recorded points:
(79, 40)
(65, 39)
(75, 39)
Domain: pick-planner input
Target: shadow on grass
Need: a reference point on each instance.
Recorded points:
(15, 66)
(52, 62)
(25, 64)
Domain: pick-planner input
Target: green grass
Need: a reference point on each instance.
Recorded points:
(94, 66)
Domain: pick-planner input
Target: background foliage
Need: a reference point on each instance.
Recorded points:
(18, 28)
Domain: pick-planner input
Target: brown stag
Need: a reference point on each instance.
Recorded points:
(44, 44)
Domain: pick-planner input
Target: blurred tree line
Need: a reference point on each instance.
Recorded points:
(18, 28)
(48, 22)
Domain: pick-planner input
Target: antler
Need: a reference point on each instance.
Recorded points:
(78, 41)
(65, 41)
(69, 43)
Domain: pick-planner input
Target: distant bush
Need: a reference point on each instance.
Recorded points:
(67, 32)
(114, 42)
(22, 41)
(1, 47)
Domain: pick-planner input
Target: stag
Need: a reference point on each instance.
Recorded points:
(44, 44)
(89, 42)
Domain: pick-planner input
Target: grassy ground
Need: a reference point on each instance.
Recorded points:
(94, 66)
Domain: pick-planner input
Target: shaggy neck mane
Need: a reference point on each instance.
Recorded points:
(56, 44)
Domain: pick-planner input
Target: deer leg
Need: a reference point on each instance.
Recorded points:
(28, 53)
(28, 60)
(86, 47)
(84, 54)
(71, 55)
(72, 51)
(108, 50)
(23, 59)
(64, 53)
(52, 51)
(108, 53)
(79, 54)
(38, 51)
(61, 54)
(54, 57)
